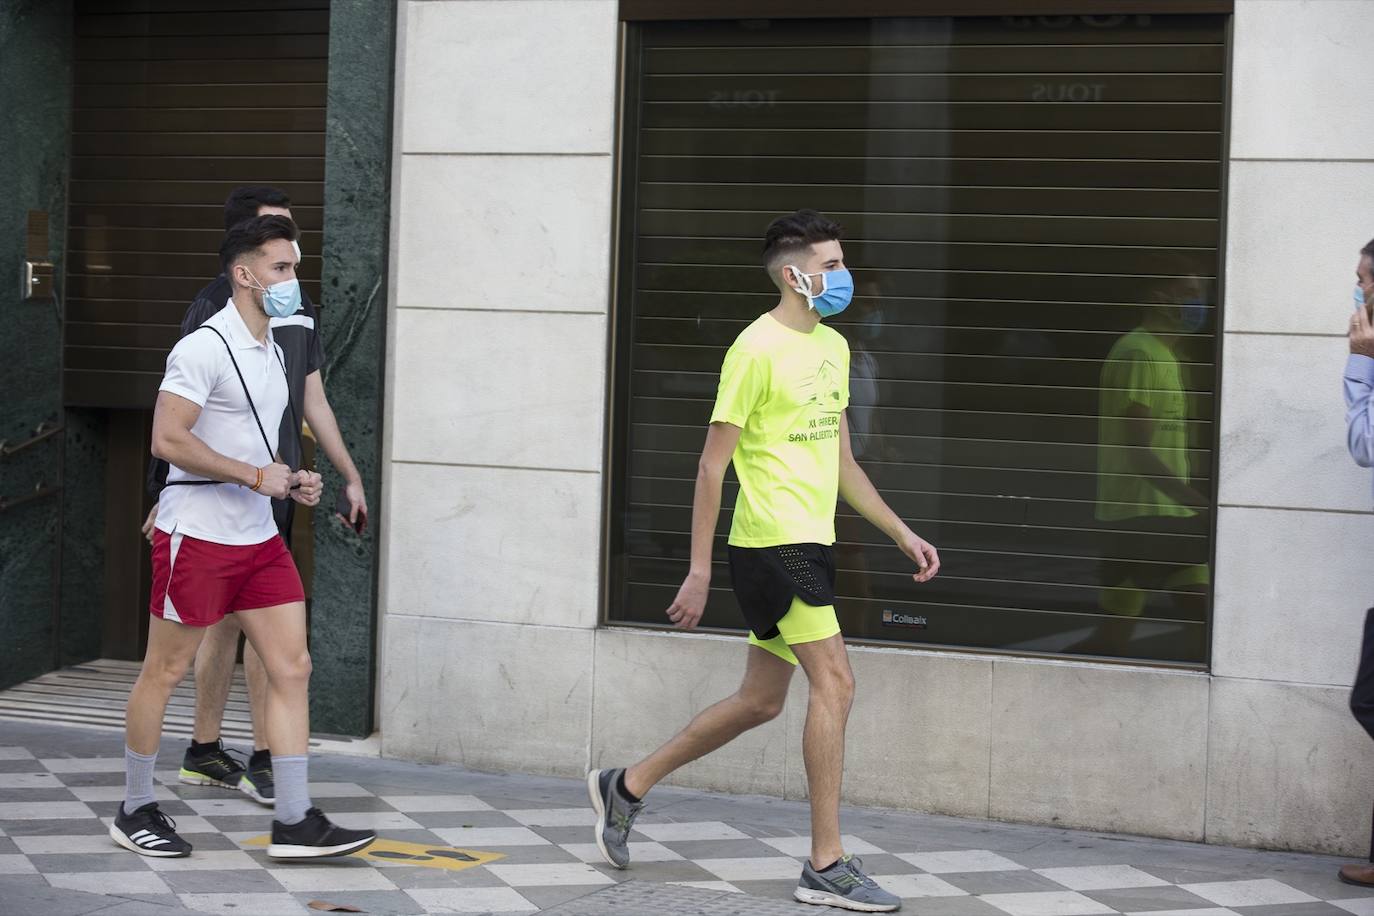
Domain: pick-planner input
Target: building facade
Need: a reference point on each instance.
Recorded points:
(578, 187)
(1103, 254)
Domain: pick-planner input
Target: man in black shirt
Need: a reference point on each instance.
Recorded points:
(206, 761)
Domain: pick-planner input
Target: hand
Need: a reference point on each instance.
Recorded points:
(311, 486)
(690, 603)
(148, 523)
(1361, 333)
(276, 481)
(357, 505)
(927, 560)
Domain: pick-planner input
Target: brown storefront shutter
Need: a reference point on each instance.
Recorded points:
(175, 105)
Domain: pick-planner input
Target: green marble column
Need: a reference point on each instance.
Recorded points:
(35, 98)
(356, 219)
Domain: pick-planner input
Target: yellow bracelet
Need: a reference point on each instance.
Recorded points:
(259, 483)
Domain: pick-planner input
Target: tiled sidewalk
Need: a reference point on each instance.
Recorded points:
(457, 841)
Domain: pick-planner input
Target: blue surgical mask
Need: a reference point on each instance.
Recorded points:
(1359, 297)
(1192, 315)
(837, 288)
(280, 300)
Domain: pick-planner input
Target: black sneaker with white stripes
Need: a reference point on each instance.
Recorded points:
(149, 832)
(316, 838)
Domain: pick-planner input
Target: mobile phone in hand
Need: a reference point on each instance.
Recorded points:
(342, 507)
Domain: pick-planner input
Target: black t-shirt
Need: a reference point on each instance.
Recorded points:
(299, 338)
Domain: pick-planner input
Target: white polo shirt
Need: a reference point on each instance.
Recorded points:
(199, 370)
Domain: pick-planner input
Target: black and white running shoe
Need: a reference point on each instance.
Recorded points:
(316, 838)
(149, 832)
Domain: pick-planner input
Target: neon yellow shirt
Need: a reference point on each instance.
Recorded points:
(1140, 370)
(786, 390)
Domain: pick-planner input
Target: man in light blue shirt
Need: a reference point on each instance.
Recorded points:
(1359, 435)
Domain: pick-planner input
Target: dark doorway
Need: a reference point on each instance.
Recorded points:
(173, 107)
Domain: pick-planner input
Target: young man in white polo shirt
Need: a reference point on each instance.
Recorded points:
(216, 549)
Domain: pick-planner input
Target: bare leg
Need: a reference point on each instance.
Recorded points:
(171, 648)
(826, 664)
(214, 676)
(760, 698)
(255, 672)
(278, 634)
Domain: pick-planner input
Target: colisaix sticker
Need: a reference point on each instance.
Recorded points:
(899, 619)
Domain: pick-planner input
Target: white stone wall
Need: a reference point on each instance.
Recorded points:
(491, 657)
(1289, 767)
(497, 375)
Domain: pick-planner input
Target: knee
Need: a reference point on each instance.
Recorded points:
(761, 709)
(291, 670)
(164, 673)
(836, 684)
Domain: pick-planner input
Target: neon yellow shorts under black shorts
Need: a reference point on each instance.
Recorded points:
(802, 623)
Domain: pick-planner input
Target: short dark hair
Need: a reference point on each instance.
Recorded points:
(793, 234)
(1368, 250)
(243, 203)
(252, 234)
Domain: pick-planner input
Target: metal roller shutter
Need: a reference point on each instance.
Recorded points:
(1019, 196)
(176, 103)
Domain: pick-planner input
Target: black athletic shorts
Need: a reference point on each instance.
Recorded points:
(766, 579)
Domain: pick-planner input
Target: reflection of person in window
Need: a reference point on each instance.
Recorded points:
(865, 427)
(1144, 484)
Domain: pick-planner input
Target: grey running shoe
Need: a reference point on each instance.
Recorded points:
(846, 886)
(615, 814)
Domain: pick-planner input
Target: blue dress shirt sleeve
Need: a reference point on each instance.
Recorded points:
(1359, 401)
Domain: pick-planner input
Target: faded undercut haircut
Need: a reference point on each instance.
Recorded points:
(791, 236)
(252, 234)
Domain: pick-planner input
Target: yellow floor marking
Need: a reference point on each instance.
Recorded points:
(395, 852)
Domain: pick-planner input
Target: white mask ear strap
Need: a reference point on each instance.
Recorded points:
(804, 289)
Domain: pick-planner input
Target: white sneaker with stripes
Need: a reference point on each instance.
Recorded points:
(149, 832)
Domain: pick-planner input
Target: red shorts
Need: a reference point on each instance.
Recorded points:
(197, 582)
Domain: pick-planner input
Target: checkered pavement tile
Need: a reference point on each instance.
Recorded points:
(55, 812)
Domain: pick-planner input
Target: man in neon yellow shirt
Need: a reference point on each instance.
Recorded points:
(780, 417)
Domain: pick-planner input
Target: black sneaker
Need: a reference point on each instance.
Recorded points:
(256, 782)
(149, 832)
(212, 768)
(316, 838)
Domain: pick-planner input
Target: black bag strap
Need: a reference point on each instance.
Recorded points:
(271, 456)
